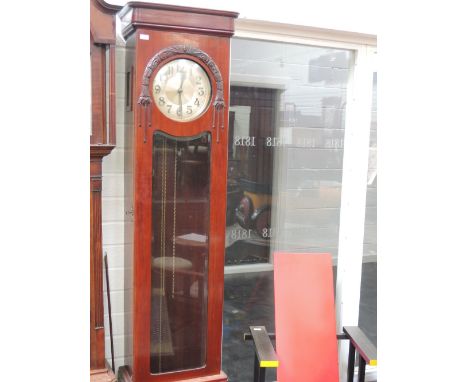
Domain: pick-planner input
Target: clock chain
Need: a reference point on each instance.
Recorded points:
(163, 242)
(174, 220)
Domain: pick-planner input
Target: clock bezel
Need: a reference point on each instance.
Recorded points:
(205, 68)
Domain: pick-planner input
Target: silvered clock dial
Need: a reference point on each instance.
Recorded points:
(182, 90)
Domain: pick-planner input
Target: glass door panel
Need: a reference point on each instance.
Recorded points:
(180, 236)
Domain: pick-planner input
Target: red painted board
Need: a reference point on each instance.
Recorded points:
(305, 318)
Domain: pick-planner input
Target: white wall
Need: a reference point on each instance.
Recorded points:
(370, 228)
(113, 226)
(351, 16)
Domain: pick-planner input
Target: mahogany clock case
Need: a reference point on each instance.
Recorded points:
(178, 166)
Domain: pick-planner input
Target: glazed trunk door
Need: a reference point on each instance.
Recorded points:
(179, 252)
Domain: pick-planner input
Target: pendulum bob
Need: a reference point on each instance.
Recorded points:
(176, 307)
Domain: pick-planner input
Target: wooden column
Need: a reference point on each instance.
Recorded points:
(97, 314)
(102, 141)
(96, 280)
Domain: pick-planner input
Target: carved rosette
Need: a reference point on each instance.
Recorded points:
(144, 100)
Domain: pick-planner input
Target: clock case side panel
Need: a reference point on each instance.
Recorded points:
(218, 49)
(129, 152)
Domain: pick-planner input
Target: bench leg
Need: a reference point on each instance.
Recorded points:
(362, 369)
(259, 372)
(351, 359)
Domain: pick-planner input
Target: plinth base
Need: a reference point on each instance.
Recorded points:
(221, 377)
(102, 375)
(125, 375)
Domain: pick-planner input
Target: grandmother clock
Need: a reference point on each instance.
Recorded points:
(177, 99)
(102, 142)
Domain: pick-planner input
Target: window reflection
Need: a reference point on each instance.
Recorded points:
(250, 164)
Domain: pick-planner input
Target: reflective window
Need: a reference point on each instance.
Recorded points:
(287, 125)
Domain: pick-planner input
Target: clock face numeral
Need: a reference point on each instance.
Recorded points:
(182, 90)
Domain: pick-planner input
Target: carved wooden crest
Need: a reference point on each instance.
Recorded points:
(144, 100)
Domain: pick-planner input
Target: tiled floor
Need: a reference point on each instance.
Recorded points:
(248, 300)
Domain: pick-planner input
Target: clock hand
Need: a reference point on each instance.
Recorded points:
(180, 104)
(180, 90)
(182, 79)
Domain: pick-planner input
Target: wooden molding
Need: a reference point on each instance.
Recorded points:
(99, 151)
(125, 374)
(178, 8)
(176, 18)
(102, 21)
(109, 8)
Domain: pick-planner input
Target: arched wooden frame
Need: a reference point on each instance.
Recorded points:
(144, 100)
